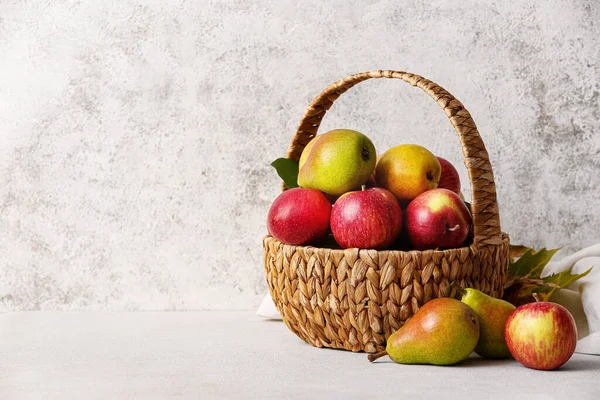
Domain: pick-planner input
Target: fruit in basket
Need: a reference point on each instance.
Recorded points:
(541, 335)
(437, 218)
(367, 219)
(299, 216)
(306, 151)
(493, 314)
(337, 162)
(407, 171)
(449, 178)
(443, 332)
(371, 181)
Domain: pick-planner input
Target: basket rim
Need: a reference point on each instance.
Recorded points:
(440, 252)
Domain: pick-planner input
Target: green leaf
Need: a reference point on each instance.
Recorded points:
(524, 276)
(520, 291)
(287, 169)
(560, 280)
(517, 250)
(531, 264)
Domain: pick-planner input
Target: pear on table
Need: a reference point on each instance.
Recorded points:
(493, 314)
(443, 332)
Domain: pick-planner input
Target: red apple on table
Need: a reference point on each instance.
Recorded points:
(437, 218)
(299, 216)
(449, 178)
(541, 335)
(367, 219)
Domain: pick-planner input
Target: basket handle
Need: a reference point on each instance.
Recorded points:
(486, 221)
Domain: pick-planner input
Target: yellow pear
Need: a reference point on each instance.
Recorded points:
(493, 314)
(407, 171)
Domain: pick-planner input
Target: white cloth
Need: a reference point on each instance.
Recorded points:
(582, 298)
(584, 301)
(267, 308)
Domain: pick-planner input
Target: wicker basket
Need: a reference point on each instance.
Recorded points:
(354, 299)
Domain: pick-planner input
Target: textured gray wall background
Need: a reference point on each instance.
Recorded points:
(136, 138)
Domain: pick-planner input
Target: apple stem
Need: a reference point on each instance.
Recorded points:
(375, 356)
(452, 229)
(536, 297)
(363, 187)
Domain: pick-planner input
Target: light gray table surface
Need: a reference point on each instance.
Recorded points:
(234, 354)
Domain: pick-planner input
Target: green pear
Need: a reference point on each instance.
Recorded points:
(306, 151)
(492, 314)
(337, 162)
(443, 332)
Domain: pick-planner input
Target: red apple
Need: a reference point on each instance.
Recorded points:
(299, 216)
(367, 219)
(437, 218)
(541, 335)
(449, 178)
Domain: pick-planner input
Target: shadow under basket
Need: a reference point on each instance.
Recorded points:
(354, 299)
